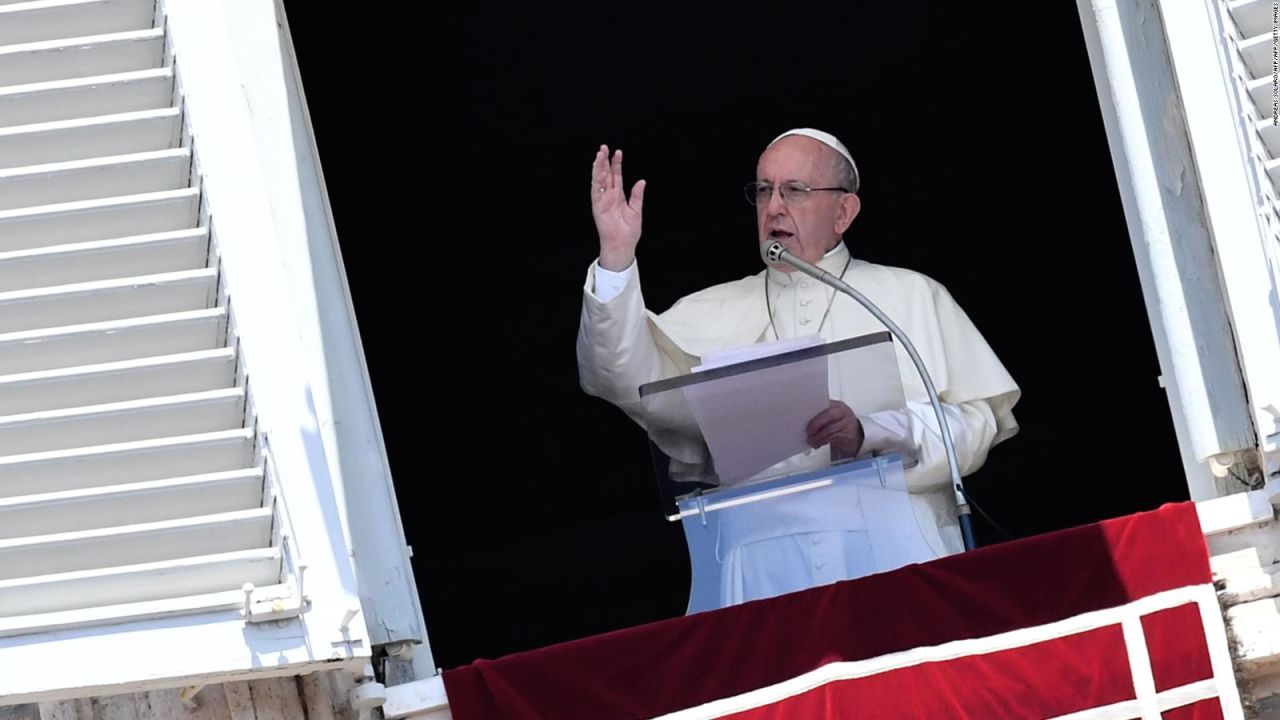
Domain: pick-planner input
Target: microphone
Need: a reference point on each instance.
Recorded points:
(775, 253)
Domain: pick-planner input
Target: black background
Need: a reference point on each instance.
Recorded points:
(456, 146)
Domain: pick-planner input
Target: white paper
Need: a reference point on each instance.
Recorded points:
(731, 356)
(757, 419)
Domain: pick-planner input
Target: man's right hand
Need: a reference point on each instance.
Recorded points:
(617, 219)
(839, 426)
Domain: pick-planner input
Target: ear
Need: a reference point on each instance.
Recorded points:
(850, 205)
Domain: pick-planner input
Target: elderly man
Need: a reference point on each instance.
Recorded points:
(805, 195)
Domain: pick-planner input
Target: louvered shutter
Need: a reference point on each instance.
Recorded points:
(137, 483)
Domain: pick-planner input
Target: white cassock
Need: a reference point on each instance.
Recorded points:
(622, 346)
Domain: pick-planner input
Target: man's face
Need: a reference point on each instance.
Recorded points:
(812, 227)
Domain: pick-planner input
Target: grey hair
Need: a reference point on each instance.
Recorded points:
(846, 174)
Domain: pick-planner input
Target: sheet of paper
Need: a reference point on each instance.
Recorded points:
(755, 419)
(732, 356)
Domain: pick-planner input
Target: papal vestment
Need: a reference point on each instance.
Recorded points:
(622, 346)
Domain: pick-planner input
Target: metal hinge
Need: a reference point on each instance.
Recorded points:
(264, 606)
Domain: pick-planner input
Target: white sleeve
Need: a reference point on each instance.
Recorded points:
(616, 352)
(609, 284)
(915, 428)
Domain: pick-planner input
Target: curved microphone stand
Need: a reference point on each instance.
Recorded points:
(775, 253)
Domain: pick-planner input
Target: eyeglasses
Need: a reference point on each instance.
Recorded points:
(793, 192)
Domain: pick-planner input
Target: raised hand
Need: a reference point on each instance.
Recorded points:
(617, 218)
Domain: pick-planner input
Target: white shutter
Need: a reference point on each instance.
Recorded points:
(1247, 40)
(1242, 200)
(1246, 559)
(163, 469)
(47, 60)
(1186, 90)
(133, 482)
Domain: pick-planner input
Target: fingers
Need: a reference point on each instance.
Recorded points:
(819, 421)
(820, 434)
(605, 172)
(599, 165)
(606, 179)
(827, 433)
(834, 434)
(616, 171)
(834, 412)
(637, 197)
(835, 420)
(600, 171)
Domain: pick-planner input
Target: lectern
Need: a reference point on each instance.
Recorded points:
(763, 513)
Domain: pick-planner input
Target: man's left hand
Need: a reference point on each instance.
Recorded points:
(840, 427)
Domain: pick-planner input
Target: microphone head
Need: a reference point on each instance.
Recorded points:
(772, 252)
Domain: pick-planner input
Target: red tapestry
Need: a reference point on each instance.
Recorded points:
(1112, 620)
